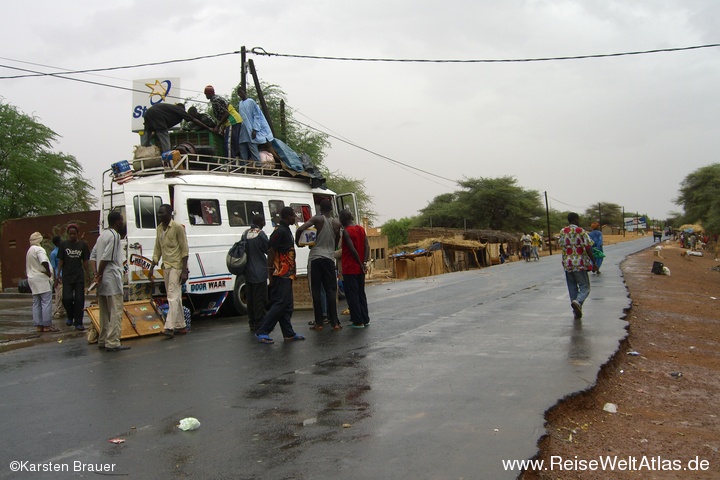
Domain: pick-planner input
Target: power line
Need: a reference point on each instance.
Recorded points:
(391, 160)
(262, 51)
(123, 67)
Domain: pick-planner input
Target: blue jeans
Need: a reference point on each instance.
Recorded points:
(281, 309)
(578, 284)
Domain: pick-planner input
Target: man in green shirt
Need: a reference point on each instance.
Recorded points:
(171, 245)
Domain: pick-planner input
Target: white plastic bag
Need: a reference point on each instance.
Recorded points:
(189, 423)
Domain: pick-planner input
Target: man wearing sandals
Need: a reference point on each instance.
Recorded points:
(281, 262)
(321, 264)
(37, 267)
(110, 284)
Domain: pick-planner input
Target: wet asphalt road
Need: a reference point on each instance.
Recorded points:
(452, 377)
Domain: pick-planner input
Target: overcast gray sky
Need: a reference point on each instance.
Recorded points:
(624, 129)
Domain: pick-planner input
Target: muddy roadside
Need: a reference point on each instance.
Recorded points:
(664, 382)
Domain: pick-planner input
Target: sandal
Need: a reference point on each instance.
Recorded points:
(337, 327)
(51, 329)
(297, 336)
(317, 328)
(264, 339)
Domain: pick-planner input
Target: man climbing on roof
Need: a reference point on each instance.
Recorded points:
(228, 127)
(160, 118)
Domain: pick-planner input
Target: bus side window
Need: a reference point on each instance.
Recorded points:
(204, 212)
(303, 213)
(275, 206)
(146, 208)
(241, 213)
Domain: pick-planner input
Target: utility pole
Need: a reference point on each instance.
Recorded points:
(547, 217)
(623, 220)
(261, 98)
(283, 122)
(243, 71)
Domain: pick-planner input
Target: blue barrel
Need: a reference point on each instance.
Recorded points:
(121, 171)
(121, 168)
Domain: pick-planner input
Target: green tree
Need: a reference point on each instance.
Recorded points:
(33, 179)
(494, 203)
(700, 197)
(339, 183)
(397, 231)
(501, 204)
(298, 137)
(443, 211)
(605, 213)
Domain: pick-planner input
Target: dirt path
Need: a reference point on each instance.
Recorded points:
(664, 380)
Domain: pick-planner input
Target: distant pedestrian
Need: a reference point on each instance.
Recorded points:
(535, 243)
(577, 260)
(281, 259)
(256, 271)
(171, 245)
(321, 263)
(598, 252)
(355, 255)
(40, 273)
(109, 279)
(73, 258)
(526, 241)
(58, 309)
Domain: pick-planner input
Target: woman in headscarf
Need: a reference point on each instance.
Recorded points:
(39, 272)
(597, 237)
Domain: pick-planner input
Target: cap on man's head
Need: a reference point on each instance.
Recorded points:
(209, 90)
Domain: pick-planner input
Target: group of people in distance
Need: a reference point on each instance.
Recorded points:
(332, 233)
(65, 272)
(245, 129)
(72, 260)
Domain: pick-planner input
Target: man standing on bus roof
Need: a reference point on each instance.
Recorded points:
(281, 262)
(171, 245)
(254, 130)
(109, 278)
(230, 132)
(321, 263)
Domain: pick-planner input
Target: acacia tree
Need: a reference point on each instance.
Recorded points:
(605, 213)
(700, 197)
(495, 203)
(339, 183)
(33, 179)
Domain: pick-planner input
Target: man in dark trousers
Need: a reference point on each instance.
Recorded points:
(163, 116)
(256, 271)
(281, 261)
(321, 263)
(73, 255)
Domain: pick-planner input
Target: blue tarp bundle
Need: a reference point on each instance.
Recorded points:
(296, 164)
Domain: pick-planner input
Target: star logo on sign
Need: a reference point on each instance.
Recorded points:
(157, 88)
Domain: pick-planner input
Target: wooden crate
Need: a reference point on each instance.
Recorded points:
(139, 319)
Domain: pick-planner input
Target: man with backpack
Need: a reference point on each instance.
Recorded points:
(256, 271)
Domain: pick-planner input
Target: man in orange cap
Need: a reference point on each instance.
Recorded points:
(230, 133)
